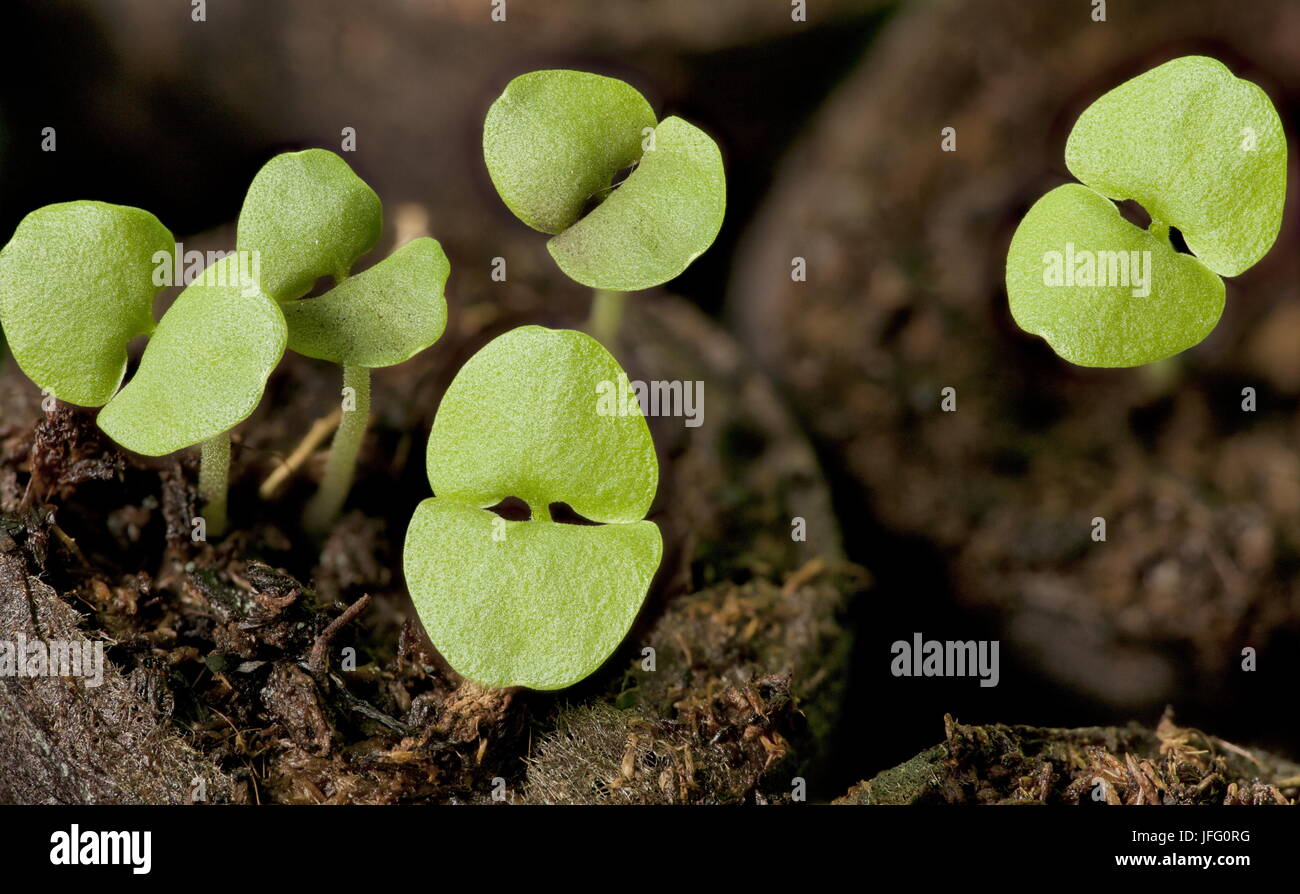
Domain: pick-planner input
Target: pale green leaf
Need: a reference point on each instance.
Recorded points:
(380, 317)
(307, 215)
(1105, 323)
(662, 217)
(205, 368)
(533, 415)
(554, 141)
(1199, 149)
(529, 603)
(76, 285)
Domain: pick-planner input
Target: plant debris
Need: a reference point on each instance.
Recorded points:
(1000, 764)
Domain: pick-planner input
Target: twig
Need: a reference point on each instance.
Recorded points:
(319, 431)
(317, 660)
(807, 573)
(69, 544)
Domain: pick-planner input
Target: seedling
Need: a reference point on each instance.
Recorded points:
(1201, 151)
(555, 143)
(77, 283)
(533, 603)
(381, 317)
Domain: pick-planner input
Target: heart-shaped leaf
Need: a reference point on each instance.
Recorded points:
(529, 416)
(1200, 149)
(205, 368)
(307, 215)
(662, 217)
(534, 603)
(380, 317)
(1102, 291)
(76, 285)
(554, 140)
(528, 603)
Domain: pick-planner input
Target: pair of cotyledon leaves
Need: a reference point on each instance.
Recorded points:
(533, 603)
(1200, 150)
(554, 143)
(77, 283)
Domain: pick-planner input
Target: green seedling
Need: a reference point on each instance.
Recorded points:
(533, 603)
(77, 283)
(556, 142)
(381, 317)
(1201, 151)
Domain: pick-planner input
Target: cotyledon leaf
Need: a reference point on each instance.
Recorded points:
(76, 285)
(659, 220)
(528, 603)
(534, 415)
(307, 215)
(380, 317)
(1199, 149)
(205, 367)
(534, 603)
(1102, 291)
(554, 140)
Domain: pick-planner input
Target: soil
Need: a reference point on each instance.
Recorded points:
(226, 679)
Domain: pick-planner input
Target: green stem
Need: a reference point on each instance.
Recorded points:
(606, 313)
(214, 473)
(342, 463)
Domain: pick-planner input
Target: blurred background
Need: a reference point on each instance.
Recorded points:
(973, 524)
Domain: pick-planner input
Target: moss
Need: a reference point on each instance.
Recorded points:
(998, 763)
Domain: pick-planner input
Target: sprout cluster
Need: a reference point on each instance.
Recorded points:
(630, 202)
(78, 281)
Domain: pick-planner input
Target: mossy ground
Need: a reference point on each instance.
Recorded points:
(1000, 764)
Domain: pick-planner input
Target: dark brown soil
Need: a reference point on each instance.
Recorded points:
(226, 680)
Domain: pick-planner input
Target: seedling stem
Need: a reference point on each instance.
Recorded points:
(214, 472)
(342, 462)
(606, 314)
